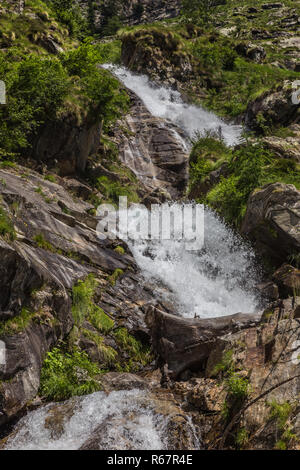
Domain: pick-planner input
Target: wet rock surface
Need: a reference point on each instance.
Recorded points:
(272, 220)
(185, 344)
(37, 280)
(120, 419)
(153, 149)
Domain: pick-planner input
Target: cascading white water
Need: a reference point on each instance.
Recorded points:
(166, 103)
(215, 281)
(126, 419)
(220, 280)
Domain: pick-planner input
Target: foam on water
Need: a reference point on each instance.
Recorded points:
(127, 419)
(216, 281)
(220, 280)
(168, 104)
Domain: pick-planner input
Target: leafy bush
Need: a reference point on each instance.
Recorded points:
(98, 85)
(82, 295)
(112, 26)
(241, 83)
(66, 374)
(237, 386)
(198, 11)
(249, 167)
(68, 13)
(138, 353)
(6, 226)
(36, 89)
(109, 52)
(217, 55)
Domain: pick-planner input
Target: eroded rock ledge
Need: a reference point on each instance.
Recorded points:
(185, 344)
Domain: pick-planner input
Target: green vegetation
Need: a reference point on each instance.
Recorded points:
(42, 87)
(248, 168)
(236, 385)
(281, 413)
(198, 11)
(44, 244)
(100, 320)
(84, 308)
(138, 353)
(16, 324)
(237, 81)
(7, 230)
(67, 374)
(82, 295)
(113, 189)
(68, 13)
(110, 52)
(51, 178)
(107, 354)
(120, 250)
(115, 275)
(242, 438)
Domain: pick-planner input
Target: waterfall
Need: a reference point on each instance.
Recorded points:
(220, 279)
(217, 280)
(166, 103)
(122, 420)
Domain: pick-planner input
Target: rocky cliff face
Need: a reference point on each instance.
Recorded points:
(134, 11)
(56, 245)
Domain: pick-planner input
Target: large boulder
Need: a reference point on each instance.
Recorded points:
(158, 54)
(272, 221)
(67, 143)
(288, 147)
(184, 344)
(275, 107)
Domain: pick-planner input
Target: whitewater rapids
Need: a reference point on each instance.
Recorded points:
(166, 103)
(220, 279)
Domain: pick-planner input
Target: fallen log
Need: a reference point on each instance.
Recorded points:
(186, 343)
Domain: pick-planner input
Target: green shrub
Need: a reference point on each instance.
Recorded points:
(242, 438)
(218, 55)
(138, 353)
(68, 13)
(250, 167)
(280, 412)
(237, 387)
(7, 230)
(82, 295)
(108, 100)
(110, 52)
(66, 374)
(36, 88)
(100, 320)
(112, 26)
